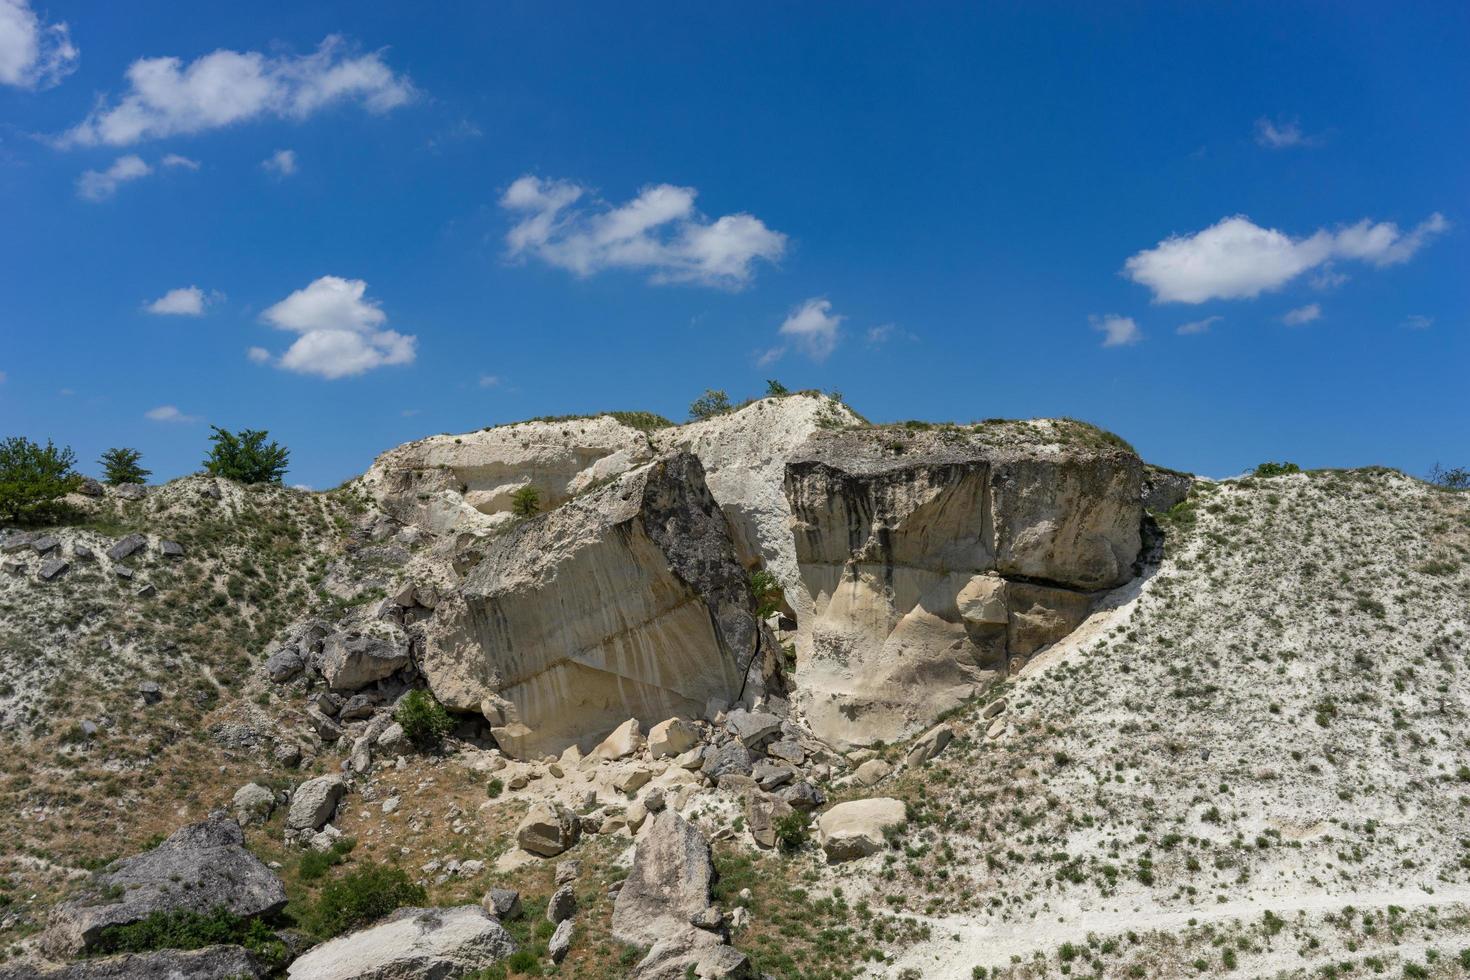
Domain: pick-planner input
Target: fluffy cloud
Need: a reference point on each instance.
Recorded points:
(174, 160)
(98, 185)
(258, 355)
(185, 301)
(166, 97)
(1279, 136)
(1198, 326)
(1303, 314)
(1118, 331)
(168, 413)
(659, 231)
(813, 327)
(33, 54)
(1237, 259)
(342, 332)
(282, 163)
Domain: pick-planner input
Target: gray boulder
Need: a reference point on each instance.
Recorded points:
(52, 568)
(560, 943)
(170, 549)
(411, 943)
(548, 828)
(209, 963)
(669, 883)
(202, 866)
(44, 544)
(130, 491)
(283, 665)
(125, 547)
(563, 904)
(17, 541)
(503, 903)
(730, 758)
(315, 803)
(354, 660)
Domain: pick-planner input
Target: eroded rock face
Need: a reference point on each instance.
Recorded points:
(449, 483)
(201, 866)
(935, 560)
(209, 963)
(627, 602)
(410, 943)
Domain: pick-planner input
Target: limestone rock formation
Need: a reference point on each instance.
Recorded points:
(410, 943)
(855, 829)
(744, 455)
(935, 559)
(466, 482)
(201, 866)
(627, 602)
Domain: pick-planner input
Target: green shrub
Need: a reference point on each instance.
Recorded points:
(314, 864)
(1277, 469)
(525, 502)
(494, 787)
(775, 389)
(246, 457)
(424, 719)
(361, 897)
(1455, 478)
(709, 404)
(791, 832)
(120, 465)
(766, 592)
(33, 479)
(184, 929)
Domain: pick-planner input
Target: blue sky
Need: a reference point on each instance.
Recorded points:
(357, 224)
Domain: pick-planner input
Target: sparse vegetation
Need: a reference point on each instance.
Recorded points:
(246, 457)
(525, 502)
(424, 719)
(710, 404)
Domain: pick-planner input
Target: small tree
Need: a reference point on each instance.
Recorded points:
(120, 465)
(33, 479)
(1456, 478)
(525, 502)
(775, 389)
(1277, 469)
(767, 593)
(246, 457)
(708, 405)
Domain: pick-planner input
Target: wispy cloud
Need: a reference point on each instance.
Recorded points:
(168, 413)
(166, 97)
(98, 185)
(281, 163)
(1198, 326)
(1283, 134)
(659, 232)
(1417, 321)
(1303, 315)
(33, 53)
(1237, 259)
(1117, 331)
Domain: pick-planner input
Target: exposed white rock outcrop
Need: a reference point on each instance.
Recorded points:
(936, 559)
(466, 482)
(744, 455)
(626, 602)
(410, 943)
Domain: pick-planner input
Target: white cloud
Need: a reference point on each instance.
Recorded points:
(258, 355)
(185, 301)
(489, 381)
(1118, 331)
(1328, 278)
(168, 413)
(98, 185)
(1198, 326)
(814, 328)
(660, 231)
(282, 163)
(1418, 321)
(880, 334)
(1237, 259)
(1303, 314)
(1283, 134)
(174, 160)
(342, 332)
(166, 97)
(33, 54)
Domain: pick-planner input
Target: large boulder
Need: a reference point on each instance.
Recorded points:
(209, 963)
(467, 482)
(936, 560)
(200, 867)
(548, 828)
(626, 602)
(315, 802)
(353, 660)
(411, 943)
(668, 885)
(856, 829)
